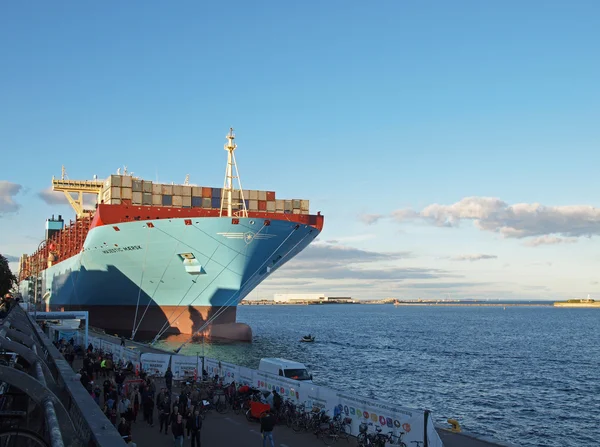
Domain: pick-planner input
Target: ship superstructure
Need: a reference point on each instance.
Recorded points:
(163, 258)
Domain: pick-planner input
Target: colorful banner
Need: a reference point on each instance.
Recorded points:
(184, 366)
(155, 364)
(227, 371)
(374, 413)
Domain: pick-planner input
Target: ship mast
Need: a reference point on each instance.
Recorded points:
(227, 196)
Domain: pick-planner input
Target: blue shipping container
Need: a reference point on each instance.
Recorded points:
(167, 200)
(196, 202)
(216, 202)
(216, 192)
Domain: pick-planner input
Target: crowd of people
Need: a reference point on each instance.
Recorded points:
(178, 413)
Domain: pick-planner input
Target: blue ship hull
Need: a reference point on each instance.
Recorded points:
(172, 274)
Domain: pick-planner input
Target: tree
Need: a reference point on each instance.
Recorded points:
(7, 278)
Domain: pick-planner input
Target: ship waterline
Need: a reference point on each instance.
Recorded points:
(172, 276)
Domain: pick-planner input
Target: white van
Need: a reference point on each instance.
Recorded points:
(285, 368)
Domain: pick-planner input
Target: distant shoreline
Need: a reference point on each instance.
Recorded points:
(405, 303)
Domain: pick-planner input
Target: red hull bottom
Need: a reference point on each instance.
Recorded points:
(182, 320)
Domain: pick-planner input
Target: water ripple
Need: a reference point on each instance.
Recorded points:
(527, 375)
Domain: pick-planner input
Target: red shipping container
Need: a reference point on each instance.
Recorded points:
(270, 196)
(262, 205)
(206, 192)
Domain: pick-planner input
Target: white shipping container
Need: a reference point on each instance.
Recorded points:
(126, 193)
(187, 192)
(235, 194)
(296, 211)
(157, 199)
(253, 195)
(246, 194)
(147, 186)
(136, 198)
(253, 205)
(187, 200)
(115, 180)
(287, 205)
(177, 190)
(304, 212)
(177, 201)
(279, 204)
(304, 205)
(106, 196)
(271, 206)
(114, 202)
(126, 181)
(262, 195)
(295, 204)
(146, 199)
(156, 188)
(115, 192)
(167, 190)
(197, 191)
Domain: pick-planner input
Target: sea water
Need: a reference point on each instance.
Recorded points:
(526, 375)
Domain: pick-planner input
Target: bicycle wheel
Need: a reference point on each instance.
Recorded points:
(297, 425)
(13, 437)
(249, 415)
(329, 438)
(361, 440)
(221, 407)
(344, 431)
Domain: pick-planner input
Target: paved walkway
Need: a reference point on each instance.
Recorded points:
(221, 430)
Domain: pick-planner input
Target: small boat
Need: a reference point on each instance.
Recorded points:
(308, 339)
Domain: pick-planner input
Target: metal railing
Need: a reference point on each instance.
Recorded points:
(58, 411)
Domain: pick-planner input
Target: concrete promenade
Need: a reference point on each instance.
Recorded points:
(234, 430)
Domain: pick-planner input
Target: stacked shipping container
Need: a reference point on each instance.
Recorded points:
(127, 190)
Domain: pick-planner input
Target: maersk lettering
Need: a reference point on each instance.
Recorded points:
(120, 249)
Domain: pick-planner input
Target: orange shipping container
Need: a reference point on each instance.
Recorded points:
(206, 192)
(270, 196)
(262, 205)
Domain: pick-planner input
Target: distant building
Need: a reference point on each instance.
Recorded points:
(310, 298)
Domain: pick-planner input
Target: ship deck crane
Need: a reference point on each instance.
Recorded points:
(80, 187)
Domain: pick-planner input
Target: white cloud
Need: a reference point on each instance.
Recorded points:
(550, 240)
(473, 257)
(58, 198)
(370, 219)
(520, 220)
(7, 192)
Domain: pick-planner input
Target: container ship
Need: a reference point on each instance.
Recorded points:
(158, 259)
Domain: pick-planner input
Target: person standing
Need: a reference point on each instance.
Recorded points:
(267, 422)
(194, 426)
(178, 431)
(169, 379)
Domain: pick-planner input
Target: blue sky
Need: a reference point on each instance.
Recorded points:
(364, 109)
